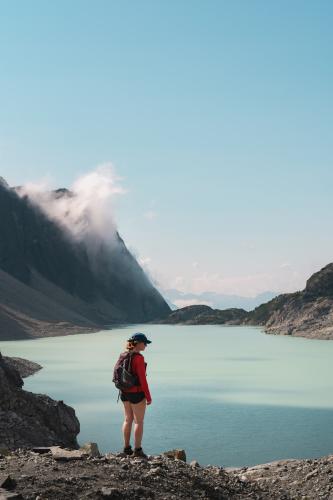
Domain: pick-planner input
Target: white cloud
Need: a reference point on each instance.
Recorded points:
(86, 212)
(178, 282)
(144, 261)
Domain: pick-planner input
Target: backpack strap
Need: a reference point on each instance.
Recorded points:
(131, 355)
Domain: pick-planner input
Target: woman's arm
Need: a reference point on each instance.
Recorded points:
(141, 373)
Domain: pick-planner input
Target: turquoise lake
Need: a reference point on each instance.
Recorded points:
(228, 395)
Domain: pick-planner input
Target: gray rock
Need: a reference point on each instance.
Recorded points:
(194, 464)
(155, 471)
(91, 449)
(176, 454)
(9, 495)
(65, 455)
(311, 474)
(113, 493)
(7, 482)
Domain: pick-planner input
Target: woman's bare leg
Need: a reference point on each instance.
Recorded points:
(139, 415)
(128, 420)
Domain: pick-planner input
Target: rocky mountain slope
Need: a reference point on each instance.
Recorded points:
(50, 285)
(308, 313)
(27, 419)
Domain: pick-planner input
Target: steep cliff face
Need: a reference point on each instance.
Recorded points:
(27, 419)
(308, 313)
(48, 277)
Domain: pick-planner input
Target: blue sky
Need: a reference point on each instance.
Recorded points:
(216, 115)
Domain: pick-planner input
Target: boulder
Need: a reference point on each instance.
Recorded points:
(176, 454)
(9, 495)
(91, 449)
(7, 482)
(66, 455)
(28, 420)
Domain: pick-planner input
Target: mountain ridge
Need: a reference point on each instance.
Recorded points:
(49, 284)
(307, 313)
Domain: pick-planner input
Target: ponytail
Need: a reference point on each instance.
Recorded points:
(130, 344)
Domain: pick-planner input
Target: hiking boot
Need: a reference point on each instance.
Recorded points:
(128, 450)
(138, 452)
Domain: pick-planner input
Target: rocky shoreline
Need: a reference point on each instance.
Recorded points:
(27, 419)
(25, 367)
(54, 474)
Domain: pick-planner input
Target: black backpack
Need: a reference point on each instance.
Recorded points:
(122, 377)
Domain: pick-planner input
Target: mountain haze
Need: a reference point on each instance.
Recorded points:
(177, 299)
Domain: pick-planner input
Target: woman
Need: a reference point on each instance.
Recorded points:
(137, 397)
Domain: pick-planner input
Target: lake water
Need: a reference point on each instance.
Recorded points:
(228, 395)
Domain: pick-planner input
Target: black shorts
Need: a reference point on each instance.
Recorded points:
(132, 397)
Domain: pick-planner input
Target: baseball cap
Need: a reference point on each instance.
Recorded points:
(140, 337)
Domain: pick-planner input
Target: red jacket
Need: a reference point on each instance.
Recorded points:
(138, 367)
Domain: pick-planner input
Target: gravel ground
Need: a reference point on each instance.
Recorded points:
(52, 475)
(297, 479)
(37, 476)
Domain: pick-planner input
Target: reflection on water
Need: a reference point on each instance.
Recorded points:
(227, 395)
